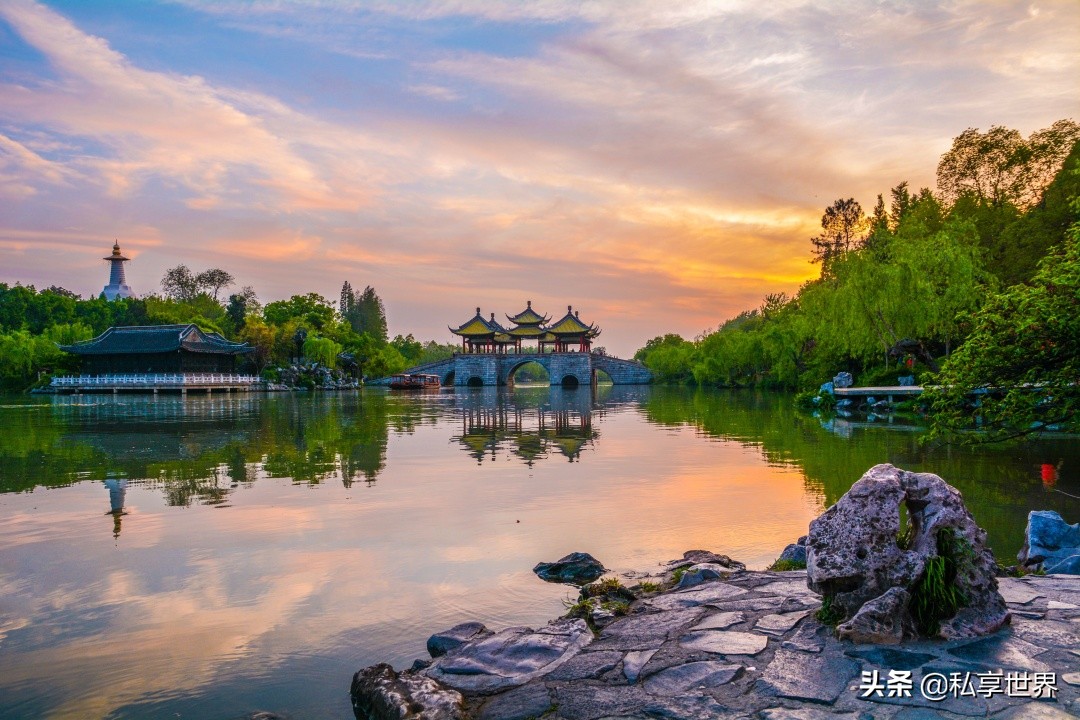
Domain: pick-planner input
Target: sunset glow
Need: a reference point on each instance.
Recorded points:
(659, 166)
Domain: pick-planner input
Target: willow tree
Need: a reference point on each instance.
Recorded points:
(869, 305)
(1018, 370)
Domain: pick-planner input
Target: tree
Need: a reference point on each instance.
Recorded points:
(348, 299)
(843, 226)
(212, 281)
(311, 309)
(999, 167)
(1022, 357)
(241, 305)
(179, 284)
(366, 314)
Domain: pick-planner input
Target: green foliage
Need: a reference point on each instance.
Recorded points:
(912, 275)
(785, 565)
(668, 357)
(321, 350)
(364, 311)
(829, 614)
(650, 587)
(935, 595)
(311, 310)
(1018, 370)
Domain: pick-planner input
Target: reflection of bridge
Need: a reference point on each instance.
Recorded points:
(559, 424)
(568, 369)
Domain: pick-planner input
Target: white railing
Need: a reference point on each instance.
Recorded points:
(156, 380)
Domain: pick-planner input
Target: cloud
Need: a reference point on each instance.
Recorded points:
(464, 151)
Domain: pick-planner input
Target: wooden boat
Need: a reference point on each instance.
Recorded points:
(417, 381)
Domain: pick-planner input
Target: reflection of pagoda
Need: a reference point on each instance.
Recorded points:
(117, 488)
(529, 434)
(117, 287)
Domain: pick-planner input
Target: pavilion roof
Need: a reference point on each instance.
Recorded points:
(143, 339)
(571, 325)
(528, 316)
(478, 326)
(527, 331)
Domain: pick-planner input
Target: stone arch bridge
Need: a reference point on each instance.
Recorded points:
(566, 369)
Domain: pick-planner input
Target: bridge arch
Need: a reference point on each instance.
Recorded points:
(510, 368)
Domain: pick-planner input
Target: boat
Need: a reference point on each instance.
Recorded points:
(415, 381)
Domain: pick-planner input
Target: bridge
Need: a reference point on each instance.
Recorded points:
(568, 369)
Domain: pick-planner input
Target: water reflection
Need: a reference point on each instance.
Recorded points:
(117, 488)
(272, 545)
(527, 426)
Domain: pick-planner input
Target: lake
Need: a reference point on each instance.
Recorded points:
(214, 556)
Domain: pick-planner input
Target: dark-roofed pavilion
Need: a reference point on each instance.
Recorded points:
(158, 349)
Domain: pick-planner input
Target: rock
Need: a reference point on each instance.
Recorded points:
(724, 642)
(379, 693)
(634, 662)
(780, 623)
(793, 553)
(803, 676)
(879, 621)
(697, 574)
(576, 569)
(587, 665)
(842, 380)
(511, 657)
(720, 621)
(826, 389)
(906, 380)
(1051, 544)
(523, 703)
(690, 676)
(853, 555)
(441, 643)
(699, 557)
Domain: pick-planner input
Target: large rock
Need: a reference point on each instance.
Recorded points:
(443, 642)
(576, 569)
(843, 380)
(379, 693)
(511, 657)
(854, 557)
(1051, 544)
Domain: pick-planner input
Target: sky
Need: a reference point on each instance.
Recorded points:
(659, 166)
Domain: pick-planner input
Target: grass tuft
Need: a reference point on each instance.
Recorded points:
(828, 614)
(785, 565)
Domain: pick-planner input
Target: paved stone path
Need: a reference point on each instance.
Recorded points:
(749, 646)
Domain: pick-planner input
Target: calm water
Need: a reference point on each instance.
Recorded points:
(268, 547)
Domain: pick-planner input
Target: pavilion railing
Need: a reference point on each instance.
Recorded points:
(156, 380)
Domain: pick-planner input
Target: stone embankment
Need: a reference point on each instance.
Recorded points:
(747, 646)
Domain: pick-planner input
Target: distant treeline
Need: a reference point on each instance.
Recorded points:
(33, 323)
(918, 286)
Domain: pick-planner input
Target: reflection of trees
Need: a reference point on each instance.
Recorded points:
(199, 450)
(1000, 484)
(529, 424)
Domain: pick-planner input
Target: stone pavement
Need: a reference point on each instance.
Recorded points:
(749, 646)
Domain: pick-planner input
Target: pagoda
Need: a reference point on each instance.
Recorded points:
(569, 332)
(117, 287)
(483, 336)
(527, 325)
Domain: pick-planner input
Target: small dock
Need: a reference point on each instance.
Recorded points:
(887, 392)
(182, 383)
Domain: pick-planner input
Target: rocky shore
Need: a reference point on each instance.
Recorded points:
(746, 646)
(888, 621)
